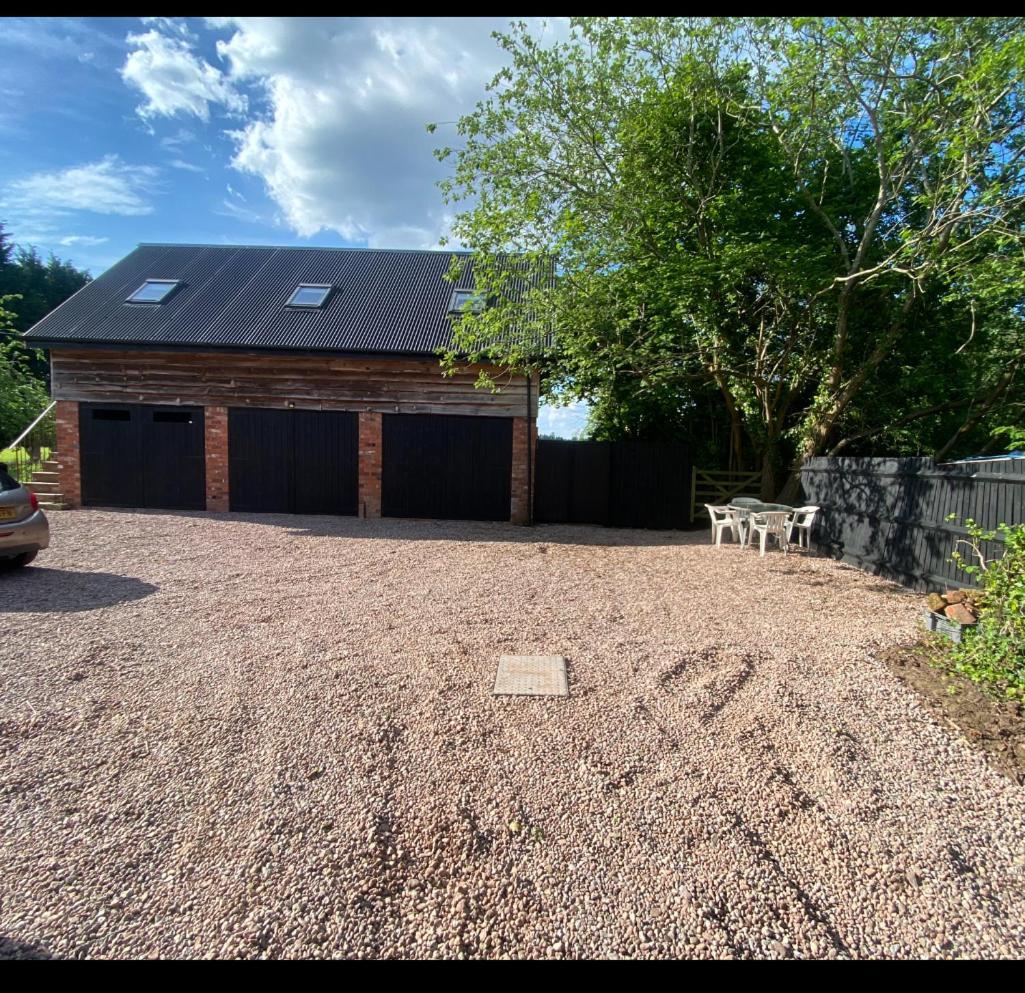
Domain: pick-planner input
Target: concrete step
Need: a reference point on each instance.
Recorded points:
(50, 465)
(45, 476)
(39, 488)
(53, 501)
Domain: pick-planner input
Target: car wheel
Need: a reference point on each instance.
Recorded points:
(17, 561)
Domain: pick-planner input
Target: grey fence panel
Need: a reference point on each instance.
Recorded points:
(889, 515)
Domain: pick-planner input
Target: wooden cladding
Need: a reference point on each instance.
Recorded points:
(240, 379)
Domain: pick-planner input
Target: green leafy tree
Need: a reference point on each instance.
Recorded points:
(22, 394)
(35, 287)
(936, 103)
(817, 220)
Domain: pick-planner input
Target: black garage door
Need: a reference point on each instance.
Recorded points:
(142, 456)
(293, 461)
(446, 466)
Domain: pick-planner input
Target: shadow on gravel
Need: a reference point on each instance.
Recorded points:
(417, 529)
(11, 949)
(866, 581)
(38, 590)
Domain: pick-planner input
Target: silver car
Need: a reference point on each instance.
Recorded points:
(24, 529)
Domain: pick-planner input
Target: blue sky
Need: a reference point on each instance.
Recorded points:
(286, 131)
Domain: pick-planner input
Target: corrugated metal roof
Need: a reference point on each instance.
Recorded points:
(234, 296)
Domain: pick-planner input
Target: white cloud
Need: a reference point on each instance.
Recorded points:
(58, 37)
(170, 25)
(229, 208)
(86, 240)
(341, 143)
(337, 108)
(186, 166)
(173, 79)
(109, 186)
(177, 141)
(343, 146)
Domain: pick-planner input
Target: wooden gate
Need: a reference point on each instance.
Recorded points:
(719, 486)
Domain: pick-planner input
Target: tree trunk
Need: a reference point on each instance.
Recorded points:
(736, 423)
(791, 492)
(768, 489)
(736, 441)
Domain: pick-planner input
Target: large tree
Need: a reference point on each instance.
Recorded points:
(817, 219)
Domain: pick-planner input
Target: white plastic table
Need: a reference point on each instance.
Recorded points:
(745, 510)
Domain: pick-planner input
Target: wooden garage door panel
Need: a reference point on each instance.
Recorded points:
(259, 460)
(326, 462)
(446, 466)
(136, 455)
(293, 461)
(109, 450)
(173, 457)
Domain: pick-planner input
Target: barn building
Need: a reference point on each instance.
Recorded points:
(282, 380)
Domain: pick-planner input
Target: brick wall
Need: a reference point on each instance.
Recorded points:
(68, 453)
(370, 427)
(216, 445)
(519, 510)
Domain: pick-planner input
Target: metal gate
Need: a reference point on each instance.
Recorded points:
(293, 461)
(134, 455)
(446, 466)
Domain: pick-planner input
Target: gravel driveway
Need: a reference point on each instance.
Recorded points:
(274, 736)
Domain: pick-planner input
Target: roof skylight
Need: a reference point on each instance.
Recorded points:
(466, 299)
(309, 295)
(154, 291)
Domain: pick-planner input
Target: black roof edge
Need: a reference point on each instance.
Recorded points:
(306, 248)
(130, 346)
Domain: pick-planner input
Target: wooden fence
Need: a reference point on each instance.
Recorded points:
(889, 515)
(634, 484)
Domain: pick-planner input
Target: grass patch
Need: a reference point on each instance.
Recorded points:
(21, 463)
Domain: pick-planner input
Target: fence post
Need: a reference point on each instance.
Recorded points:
(693, 490)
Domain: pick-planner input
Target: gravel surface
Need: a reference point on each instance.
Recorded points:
(268, 736)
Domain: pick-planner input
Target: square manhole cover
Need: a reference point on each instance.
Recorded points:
(531, 675)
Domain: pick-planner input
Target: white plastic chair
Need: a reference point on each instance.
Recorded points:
(722, 518)
(769, 524)
(801, 521)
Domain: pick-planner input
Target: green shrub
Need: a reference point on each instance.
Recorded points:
(22, 394)
(993, 651)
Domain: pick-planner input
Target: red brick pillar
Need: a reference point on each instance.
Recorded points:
(522, 476)
(215, 421)
(370, 426)
(68, 453)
